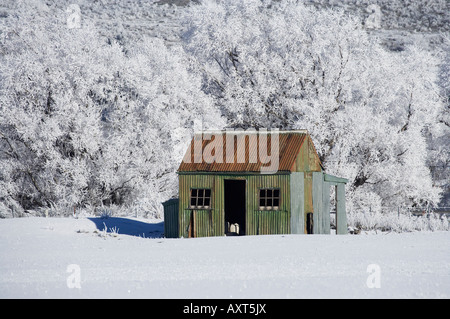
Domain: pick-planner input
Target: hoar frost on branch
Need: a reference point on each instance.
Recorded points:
(281, 64)
(83, 122)
(87, 121)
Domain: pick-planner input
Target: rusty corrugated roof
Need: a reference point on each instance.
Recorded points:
(245, 159)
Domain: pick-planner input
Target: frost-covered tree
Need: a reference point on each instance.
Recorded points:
(281, 64)
(50, 129)
(82, 121)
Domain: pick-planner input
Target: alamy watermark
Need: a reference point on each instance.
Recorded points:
(74, 279)
(373, 21)
(374, 278)
(236, 150)
(74, 16)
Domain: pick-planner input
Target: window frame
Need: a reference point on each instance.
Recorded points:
(269, 198)
(203, 198)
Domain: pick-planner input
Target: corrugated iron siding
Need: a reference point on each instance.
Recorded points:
(212, 222)
(307, 158)
(171, 218)
(297, 185)
(206, 221)
(267, 222)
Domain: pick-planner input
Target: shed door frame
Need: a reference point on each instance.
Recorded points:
(242, 220)
(341, 215)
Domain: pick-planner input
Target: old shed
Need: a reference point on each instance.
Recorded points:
(253, 183)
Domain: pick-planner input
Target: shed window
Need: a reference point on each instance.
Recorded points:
(269, 198)
(200, 198)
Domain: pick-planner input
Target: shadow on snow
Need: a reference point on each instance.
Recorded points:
(131, 227)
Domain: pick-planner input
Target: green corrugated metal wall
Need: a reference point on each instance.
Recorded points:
(309, 192)
(206, 221)
(171, 218)
(297, 202)
(212, 222)
(267, 222)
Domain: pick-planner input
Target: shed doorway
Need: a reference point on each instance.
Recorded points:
(234, 207)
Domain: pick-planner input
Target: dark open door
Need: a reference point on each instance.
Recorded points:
(235, 205)
(191, 224)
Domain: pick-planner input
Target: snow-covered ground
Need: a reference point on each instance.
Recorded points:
(51, 257)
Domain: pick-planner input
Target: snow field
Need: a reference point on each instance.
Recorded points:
(38, 254)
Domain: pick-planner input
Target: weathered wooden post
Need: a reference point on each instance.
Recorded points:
(341, 216)
(326, 207)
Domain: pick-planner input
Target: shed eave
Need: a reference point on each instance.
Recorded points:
(230, 173)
